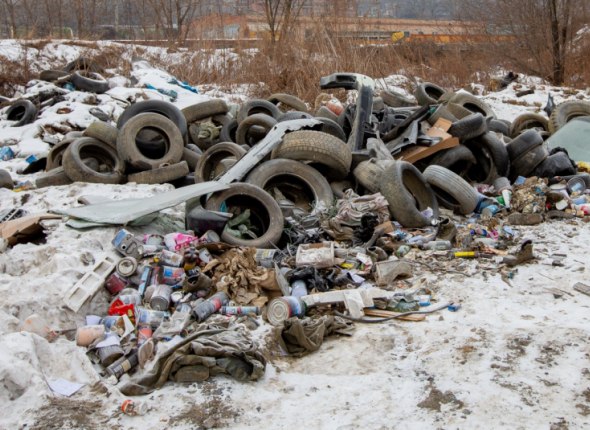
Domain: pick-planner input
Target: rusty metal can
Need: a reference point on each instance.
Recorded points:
(115, 283)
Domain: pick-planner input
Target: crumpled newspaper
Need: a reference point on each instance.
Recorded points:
(237, 274)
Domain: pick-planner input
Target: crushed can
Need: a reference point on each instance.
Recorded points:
(128, 245)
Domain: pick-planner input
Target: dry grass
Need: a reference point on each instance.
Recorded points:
(296, 68)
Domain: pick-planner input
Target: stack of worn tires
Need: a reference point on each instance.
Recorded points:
(492, 148)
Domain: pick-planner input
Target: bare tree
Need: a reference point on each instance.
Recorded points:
(534, 35)
(174, 17)
(281, 17)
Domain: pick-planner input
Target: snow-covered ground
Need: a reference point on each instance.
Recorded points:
(514, 355)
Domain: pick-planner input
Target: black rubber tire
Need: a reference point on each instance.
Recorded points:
(228, 131)
(89, 81)
(499, 126)
(265, 213)
(317, 148)
(428, 94)
(211, 158)
(293, 102)
(258, 106)
(83, 63)
(524, 142)
(56, 153)
(257, 119)
(7, 182)
(472, 103)
(324, 112)
(294, 114)
(469, 127)
(191, 157)
(528, 121)
(160, 107)
(451, 190)
(458, 111)
(292, 175)
(368, 174)
(558, 164)
(103, 131)
(567, 111)
(526, 163)
(395, 99)
(22, 111)
(408, 195)
(131, 153)
(52, 75)
(458, 159)
(79, 171)
(204, 110)
(332, 127)
(52, 178)
(496, 150)
(340, 187)
(160, 175)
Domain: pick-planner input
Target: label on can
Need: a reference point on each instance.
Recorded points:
(149, 316)
(239, 310)
(169, 258)
(172, 275)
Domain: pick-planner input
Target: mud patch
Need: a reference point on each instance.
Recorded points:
(215, 412)
(436, 398)
(62, 413)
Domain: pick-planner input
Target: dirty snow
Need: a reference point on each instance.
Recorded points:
(513, 356)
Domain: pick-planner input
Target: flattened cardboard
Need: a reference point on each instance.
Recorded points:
(439, 129)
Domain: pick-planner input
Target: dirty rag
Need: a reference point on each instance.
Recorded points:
(302, 336)
(211, 350)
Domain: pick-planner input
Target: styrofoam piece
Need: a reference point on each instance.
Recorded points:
(89, 284)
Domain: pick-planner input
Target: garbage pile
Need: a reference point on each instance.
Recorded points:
(311, 220)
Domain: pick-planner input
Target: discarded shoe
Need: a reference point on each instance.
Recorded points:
(524, 254)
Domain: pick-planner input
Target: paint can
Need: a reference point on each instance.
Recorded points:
(172, 275)
(239, 310)
(109, 354)
(115, 284)
(86, 335)
(160, 299)
(204, 309)
(150, 317)
(283, 308)
(169, 258)
(176, 297)
(130, 299)
(126, 266)
(123, 365)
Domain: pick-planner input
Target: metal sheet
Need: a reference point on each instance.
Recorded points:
(122, 212)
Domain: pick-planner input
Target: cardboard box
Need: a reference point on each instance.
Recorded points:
(439, 129)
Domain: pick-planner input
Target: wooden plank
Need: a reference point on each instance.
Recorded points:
(387, 314)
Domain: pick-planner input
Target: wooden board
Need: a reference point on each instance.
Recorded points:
(386, 314)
